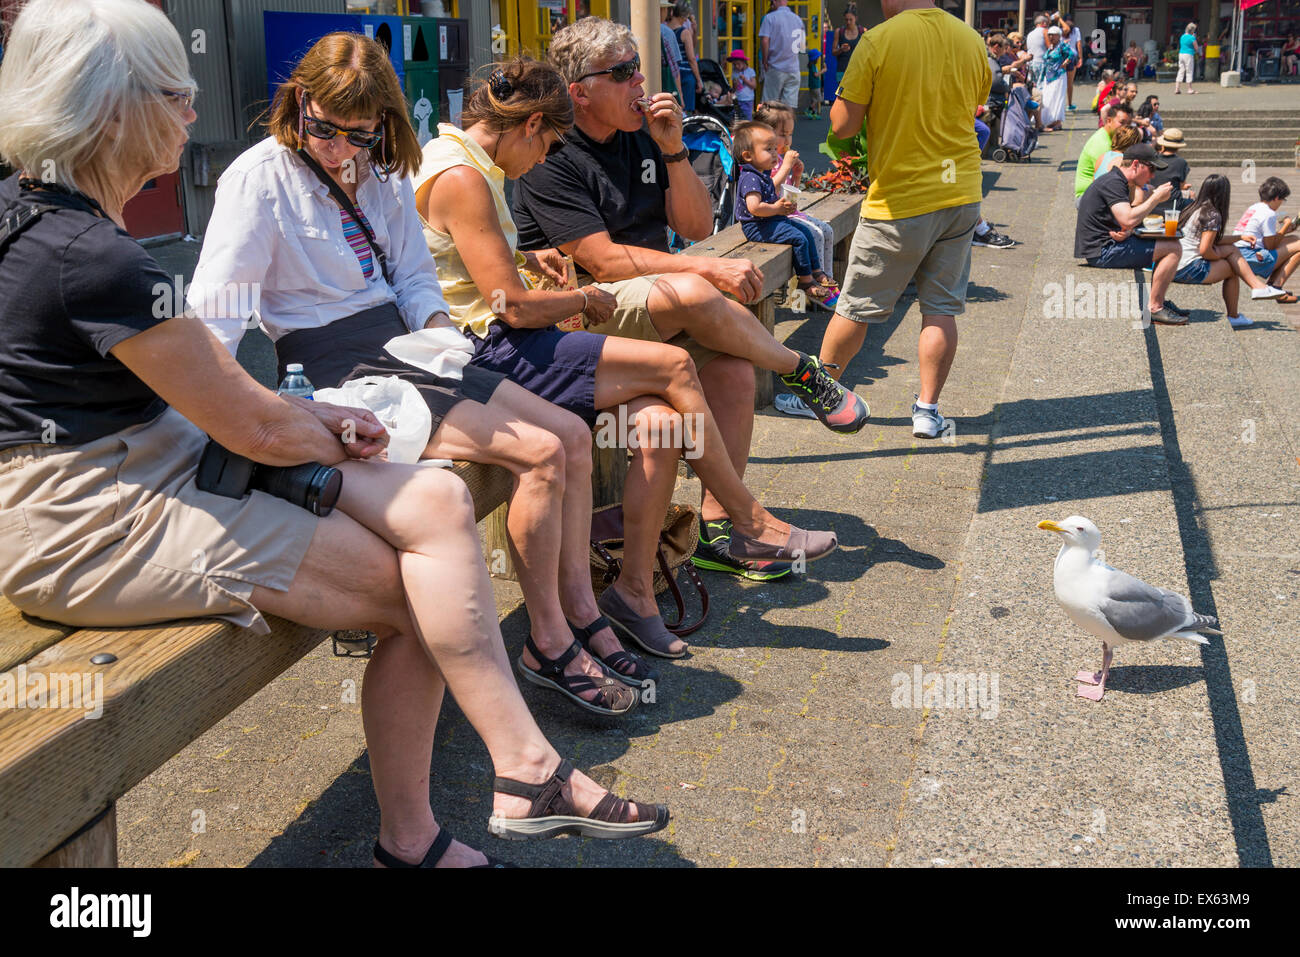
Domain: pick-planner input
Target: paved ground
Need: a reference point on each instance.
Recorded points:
(791, 735)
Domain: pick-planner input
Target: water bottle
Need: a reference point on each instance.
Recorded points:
(295, 383)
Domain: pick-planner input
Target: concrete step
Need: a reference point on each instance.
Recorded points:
(1235, 158)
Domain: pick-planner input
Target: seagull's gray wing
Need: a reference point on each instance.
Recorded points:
(1141, 612)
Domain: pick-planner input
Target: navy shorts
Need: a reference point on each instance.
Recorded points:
(1132, 253)
(558, 366)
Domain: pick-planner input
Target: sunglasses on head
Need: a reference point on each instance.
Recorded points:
(325, 130)
(619, 72)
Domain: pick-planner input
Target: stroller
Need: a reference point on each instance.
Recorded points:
(1016, 136)
(720, 106)
(709, 141)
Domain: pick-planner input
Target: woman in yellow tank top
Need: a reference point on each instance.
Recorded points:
(512, 123)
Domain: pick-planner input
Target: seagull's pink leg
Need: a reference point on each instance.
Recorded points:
(1094, 686)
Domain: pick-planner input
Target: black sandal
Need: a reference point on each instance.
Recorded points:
(431, 858)
(552, 815)
(623, 665)
(615, 698)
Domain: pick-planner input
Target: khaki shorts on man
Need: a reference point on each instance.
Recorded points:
(631, 318)
(934, 248)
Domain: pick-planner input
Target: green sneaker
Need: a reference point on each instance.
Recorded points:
(711, 555)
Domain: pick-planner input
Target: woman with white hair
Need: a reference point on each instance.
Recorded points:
(1057, 62)
(106, 391)
(1188, 48)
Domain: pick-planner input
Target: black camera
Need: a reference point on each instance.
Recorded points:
(312, 486)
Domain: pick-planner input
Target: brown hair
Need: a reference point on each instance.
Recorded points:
(743, 136)
(766, 111)
(516, 90)
(349, 75)
(1125, 137)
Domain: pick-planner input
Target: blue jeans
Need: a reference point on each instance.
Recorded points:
(688, 88)
(781, 229)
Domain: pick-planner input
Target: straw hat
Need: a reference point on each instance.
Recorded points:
(1171, 139)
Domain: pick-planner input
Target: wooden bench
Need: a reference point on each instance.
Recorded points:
(166, 684)
(777, 264)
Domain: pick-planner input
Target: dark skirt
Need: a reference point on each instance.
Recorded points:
(560, 367)
(353, 347)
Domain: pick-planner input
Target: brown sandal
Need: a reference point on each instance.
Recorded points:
(552, 814)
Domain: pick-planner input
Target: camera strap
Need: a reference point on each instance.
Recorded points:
(346, 204)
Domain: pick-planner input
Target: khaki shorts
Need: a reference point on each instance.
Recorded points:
(115, 533)
(631, 319)
(886, 254)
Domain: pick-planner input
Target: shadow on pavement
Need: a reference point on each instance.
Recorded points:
(1234, 755)
(1152, 679)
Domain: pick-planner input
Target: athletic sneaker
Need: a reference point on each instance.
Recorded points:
(793, 405)
(992, 238)
(928, 423)
(1169, 304)
(1240, 322)
(839, 409)
(1268, 292)
(711, 555)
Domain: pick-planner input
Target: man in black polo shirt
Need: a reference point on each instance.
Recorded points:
(1103, 234)
(608, 198)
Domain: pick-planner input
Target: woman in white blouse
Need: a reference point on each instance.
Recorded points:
(341, 266)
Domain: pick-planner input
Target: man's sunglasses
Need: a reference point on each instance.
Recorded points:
(619, 72)
(325, 130)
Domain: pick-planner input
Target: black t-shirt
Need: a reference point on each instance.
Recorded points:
(1092, 231)
(1177, 170)
(588, 187)
(72, 286)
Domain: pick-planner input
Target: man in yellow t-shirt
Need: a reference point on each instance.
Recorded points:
(914, 81)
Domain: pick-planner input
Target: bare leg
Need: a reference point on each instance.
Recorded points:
(666, 375)
(1167, 253)
(728, 385)
(1236, 263)
(684, 302)
(936, 350)
(646, 494)
(841, 342)
(508, 432)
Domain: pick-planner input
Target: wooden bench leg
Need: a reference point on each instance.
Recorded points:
(95, 845)
(608, 473)
(842, 255)
(764, 379)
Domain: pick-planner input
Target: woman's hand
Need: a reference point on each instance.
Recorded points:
(361, 433)
(600, 307)
(549, 262)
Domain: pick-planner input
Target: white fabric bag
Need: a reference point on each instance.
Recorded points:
(397, 404)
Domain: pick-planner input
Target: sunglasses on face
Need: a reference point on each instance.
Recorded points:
(620, 72)
(183, 97)
(325, 130)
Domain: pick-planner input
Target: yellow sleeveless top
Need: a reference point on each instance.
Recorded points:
(451, 147)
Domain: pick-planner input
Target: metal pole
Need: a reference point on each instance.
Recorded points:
(1212, 45)
(970, 13)
(1020, 26)
(645, 29)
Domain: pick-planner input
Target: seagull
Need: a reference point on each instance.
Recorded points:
(1113, 605)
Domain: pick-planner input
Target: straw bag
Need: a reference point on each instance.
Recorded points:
(677, 540)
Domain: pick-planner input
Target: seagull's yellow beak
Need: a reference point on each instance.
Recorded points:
(1050, 526)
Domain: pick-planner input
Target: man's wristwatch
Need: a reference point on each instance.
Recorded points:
(678, 156)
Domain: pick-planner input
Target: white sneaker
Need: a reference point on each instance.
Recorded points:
(928, 423)
(1240, 322)
(1268, 292)
(793, 405)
